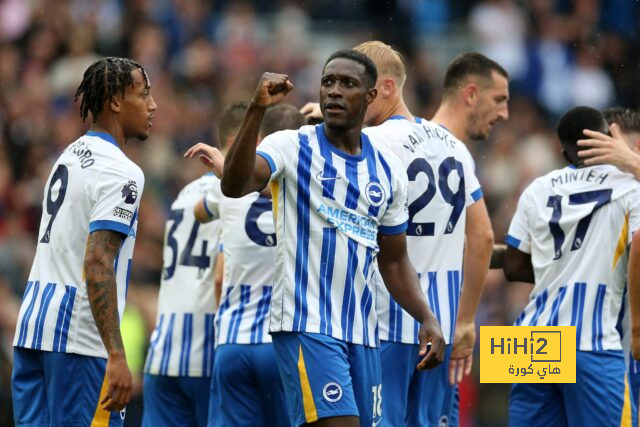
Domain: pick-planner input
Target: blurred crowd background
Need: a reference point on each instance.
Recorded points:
(202, 54)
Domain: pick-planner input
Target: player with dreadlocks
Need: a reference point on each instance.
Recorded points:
(69, 361)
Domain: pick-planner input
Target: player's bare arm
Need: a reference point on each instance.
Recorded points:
(401, 280)
(633, 279)
(497, 256)
(609, 149)
(477, 252)
(517, 266)
(102, 248)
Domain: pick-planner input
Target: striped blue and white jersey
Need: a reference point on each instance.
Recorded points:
(182, 341)
(329, 207)
(442, 183)
(248, 233)
(577, 224)
(93, 186)
(633, 366)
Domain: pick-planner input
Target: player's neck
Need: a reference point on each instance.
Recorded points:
(347, 140)
(395, 108)
(113, 129)
(451, 118)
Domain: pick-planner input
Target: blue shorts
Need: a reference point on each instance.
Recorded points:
(634, 396)
(412, 397)
(596, 399)
(246, 389)
(326, 377)
(52, 388)
(175, 401)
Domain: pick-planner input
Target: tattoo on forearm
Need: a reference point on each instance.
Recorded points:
(102, 248)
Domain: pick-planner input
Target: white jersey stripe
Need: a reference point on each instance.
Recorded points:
(64, 318)
(553, 318)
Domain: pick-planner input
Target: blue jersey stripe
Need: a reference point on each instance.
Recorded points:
(224, 306)
(67, 314)
(596, 323)
(328, 254)
(555, 307)
(25, 318)
(541, 301)
(353, 190)
(579, 290)
(154, 342)
(520, 318)
(257, 327)
(61, 313)
(453, 282)
(349, 297)
(47, 294)
(392, 319)
(166, 350)
(185, 351)
(237, 313)
(365, 307)
(209, 342)
(432, 293)
(453, 279)
(387, 172)
(126, 289)
(302, 229)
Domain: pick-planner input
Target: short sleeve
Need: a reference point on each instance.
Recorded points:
(116, 196)
(212, 201)
(279, 149)
(519, 235)
(473, 190)
(395, 219)
(634, 213)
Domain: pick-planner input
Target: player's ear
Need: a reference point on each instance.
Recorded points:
(470, 94)
(115, 104)
(388, 87)
(567, 157)
(371, 95)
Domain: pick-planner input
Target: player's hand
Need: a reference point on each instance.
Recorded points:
(208, 155)
(120, 384)
(311, 112)
(272, 87)
(462, 353)
(605, 149)
(430, 332)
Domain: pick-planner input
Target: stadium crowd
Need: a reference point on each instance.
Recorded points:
(201, 57)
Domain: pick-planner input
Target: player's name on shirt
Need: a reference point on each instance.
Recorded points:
(442, 183)
(577, 224)
(93, 186)
(182, 341)
(329, 208)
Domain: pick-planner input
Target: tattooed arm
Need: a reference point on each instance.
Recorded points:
(102, 248)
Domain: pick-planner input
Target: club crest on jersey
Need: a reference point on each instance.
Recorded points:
(130, 192)
(375, 193)
(332, 392)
